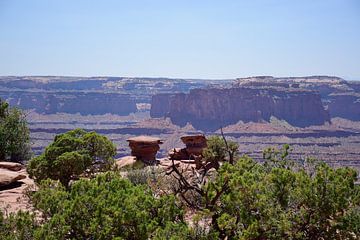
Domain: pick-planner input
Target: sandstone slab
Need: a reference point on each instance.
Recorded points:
(7, 177)
(11, 166)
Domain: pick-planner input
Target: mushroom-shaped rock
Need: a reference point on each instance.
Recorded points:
(194, 144)
(144, 148)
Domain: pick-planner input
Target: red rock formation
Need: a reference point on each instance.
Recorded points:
(144, 148)
(194, 147)
(194, 144)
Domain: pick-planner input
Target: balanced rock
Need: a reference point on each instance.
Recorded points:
(194, 144)
(7, 177)
(144, 148)
(193, 150)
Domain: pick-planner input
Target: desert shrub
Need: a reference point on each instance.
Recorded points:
(105, 207)
(14, 134)
(280, 203)
(21, 225)
(215, 150)
(219, 149)
(71, 154)
(143, 175)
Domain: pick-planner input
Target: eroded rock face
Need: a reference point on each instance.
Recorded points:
(194, 144)
(144, 148)
(193, 150)
(345, 106)
(72, 102)
(209, 109)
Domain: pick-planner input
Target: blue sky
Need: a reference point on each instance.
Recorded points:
(180, 38)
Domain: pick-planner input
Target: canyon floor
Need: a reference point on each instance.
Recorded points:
(336, 143)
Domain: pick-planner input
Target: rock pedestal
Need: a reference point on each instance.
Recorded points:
(193, 150)
(144, 148)
(194, 144)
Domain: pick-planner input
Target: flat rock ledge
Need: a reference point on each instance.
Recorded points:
(7, 177)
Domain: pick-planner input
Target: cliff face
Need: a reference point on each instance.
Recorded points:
(209, 109)
(341, 98)
(160, 104)
(75, 102)
(345, 106)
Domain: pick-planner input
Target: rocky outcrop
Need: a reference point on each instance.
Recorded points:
(194, 144)
(194, 147)
(209, 109)
(144, 148)
(93, 103)
(7, 177)
(12, 166)
(14, 182)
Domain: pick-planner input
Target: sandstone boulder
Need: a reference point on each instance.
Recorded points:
(11, 166)
(7, 177)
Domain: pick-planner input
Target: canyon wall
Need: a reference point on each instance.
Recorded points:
(89, 95)
(341, 98)
(209, 109)
(93, 103)
(346, 105)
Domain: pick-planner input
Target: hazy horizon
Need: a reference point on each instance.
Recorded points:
(180, 39)
(164, 77)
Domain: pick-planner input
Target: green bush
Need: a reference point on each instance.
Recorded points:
(71, 154)
(218, 150)
(142, 176)
(14, 134)
(281, 203)
(21, 225)
(105, 207)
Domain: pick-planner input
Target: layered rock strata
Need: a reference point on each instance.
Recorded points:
(85, 103)
(194, 147)
(209, 109)
(144, 148)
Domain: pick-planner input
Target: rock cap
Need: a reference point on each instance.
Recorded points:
(145, 139)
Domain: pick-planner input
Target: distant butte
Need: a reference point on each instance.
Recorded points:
(300, 101)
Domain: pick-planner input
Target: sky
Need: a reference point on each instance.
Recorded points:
(216, 39)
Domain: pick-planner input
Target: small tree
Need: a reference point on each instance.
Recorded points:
(14, 134)
(71, 154)
(219, 150)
